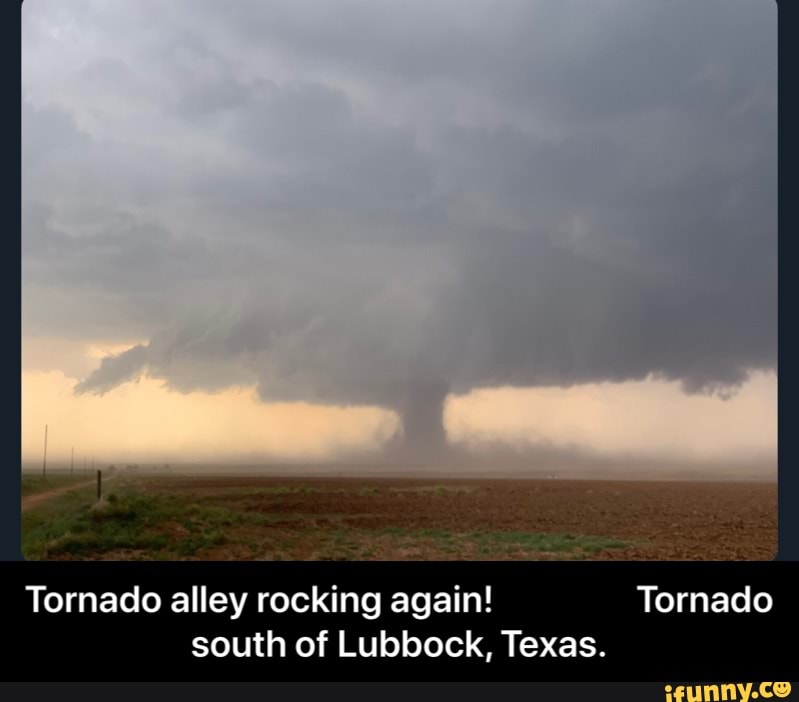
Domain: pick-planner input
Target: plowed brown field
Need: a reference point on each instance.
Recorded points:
(361, 518)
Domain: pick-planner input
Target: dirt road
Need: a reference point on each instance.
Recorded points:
(29, 501)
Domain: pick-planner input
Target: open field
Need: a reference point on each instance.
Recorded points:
(36, 484)
(244, 518)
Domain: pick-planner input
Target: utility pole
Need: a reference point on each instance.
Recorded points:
(72, 463)
(44, 460)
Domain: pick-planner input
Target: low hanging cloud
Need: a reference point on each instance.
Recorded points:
(382, 204)
(114, 370)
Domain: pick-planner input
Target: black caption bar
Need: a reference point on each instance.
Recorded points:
(507, 621)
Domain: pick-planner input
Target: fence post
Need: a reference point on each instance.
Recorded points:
(99, 484)
(44, 460)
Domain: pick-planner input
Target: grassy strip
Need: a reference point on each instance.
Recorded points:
(33, 484)
(431, 543)
(142, 525)
(495, 542)
(157, 526)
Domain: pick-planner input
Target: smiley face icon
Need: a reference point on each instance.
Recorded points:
(781, 689)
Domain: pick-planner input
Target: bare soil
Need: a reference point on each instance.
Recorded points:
(440, 519)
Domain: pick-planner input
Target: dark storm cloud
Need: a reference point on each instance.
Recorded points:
(372, 202)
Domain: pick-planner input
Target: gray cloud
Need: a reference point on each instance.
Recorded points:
(115, 370)
(382, 203)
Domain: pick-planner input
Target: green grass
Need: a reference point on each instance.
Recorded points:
(417, 533)
(157, 526)
(33, 484)
(134, 524)
(500, 543)
(359, 544)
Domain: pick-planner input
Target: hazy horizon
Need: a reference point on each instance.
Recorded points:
(465, 236)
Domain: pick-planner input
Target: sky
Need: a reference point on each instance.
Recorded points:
(311, 229)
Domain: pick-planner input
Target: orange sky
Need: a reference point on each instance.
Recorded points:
(144, 421)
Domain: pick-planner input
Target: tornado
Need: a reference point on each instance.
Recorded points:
(343, 256)
(421, 409)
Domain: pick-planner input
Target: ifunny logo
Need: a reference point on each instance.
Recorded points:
(727, 692)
